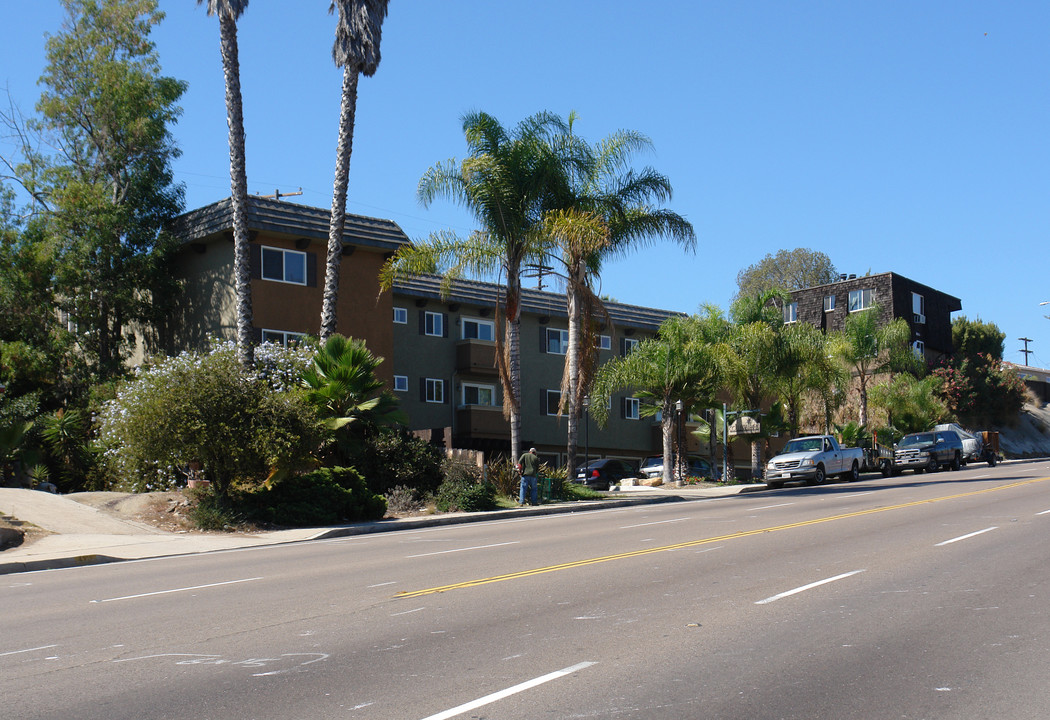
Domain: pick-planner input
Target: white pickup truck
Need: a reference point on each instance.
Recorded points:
(813, 459)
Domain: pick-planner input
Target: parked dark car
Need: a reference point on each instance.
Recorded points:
(929, 451)
(600, 474)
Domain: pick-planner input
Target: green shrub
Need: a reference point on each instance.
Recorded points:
(323, 497)
(211, 512)
(239, 424)
(464, 489)
(504, 477)
(395, 457)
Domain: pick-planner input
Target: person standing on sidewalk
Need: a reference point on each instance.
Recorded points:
(529, 467)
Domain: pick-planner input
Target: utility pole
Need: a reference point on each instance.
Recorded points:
(1026, 351)
(277, 195)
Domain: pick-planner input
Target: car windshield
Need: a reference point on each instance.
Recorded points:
(918, 439)
(804, 445)
(652, 462)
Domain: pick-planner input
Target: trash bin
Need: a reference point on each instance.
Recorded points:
(545, 490)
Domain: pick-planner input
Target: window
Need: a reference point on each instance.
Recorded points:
(434, 390)
(861, 299)
(629, 344)
(919, 348)
(401, 383)
(631, 406)
(557, 341)
(829, 303)
(918, 308)
(401, 316)
(553, 402)
(282, 338)
(474, 329)
(434, 324)
(791, 312)
(479, 394)
(604, 342)
(284, 265)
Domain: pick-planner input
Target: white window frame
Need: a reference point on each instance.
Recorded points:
(433, 324)
(790, 312)
(829, 303)
(632, 408)
(284, 264)
(861, 295)
(401, 316)
(401, 383)
(547, 406)
(479, 323)
(629, 345)
(918, 308)
(477, 386)
(605, 342)
(435, 391)
(563, 341)
(919, 348)
(281, 337)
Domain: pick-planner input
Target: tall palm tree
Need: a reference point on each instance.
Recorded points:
(503, 182)
(356, 50)
(868, 347)
(678, 364)
(603, 208)
(229, 11)
(753, 357)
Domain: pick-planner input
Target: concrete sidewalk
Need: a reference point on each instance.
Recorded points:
(83, 535)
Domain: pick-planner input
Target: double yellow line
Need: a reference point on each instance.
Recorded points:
(704, 541)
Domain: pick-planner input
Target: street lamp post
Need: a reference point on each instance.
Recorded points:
(586, 429)
(679, 466)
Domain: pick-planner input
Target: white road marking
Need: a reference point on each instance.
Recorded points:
(175, 590)
(966, 537)
(527, 685)
(655, 522)
(407, 612)
(1043, 513)
(15, 652)
(767, 507)
(392, 582)
(476, 547)
(807, 587)
(855, 495)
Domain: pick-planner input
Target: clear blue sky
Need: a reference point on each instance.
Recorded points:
(898, 136)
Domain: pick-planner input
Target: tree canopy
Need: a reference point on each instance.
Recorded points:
(787, 270)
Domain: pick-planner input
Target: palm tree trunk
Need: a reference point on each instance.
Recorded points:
(572, 361)
(756, 458)
(238, 187)
(667, 433)
(513, 315)
(347, 112)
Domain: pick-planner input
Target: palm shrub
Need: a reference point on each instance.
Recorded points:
(239, 423)
(342, 384)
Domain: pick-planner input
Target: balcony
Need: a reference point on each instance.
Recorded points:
(476, 357)
(482, 421)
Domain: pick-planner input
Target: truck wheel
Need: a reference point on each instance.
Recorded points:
(933, 466)
(818, 476)
(853, 474)
(956, 462)
(885, 468)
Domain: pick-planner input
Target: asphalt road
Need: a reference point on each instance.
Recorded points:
(921, 596)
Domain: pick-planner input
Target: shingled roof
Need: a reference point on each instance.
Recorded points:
(277, 216)
(535, 302)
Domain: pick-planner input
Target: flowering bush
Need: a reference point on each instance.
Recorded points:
(238, 423)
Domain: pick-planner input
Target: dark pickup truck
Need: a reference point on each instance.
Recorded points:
(929, 451)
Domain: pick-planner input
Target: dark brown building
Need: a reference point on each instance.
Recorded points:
(927, 311)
